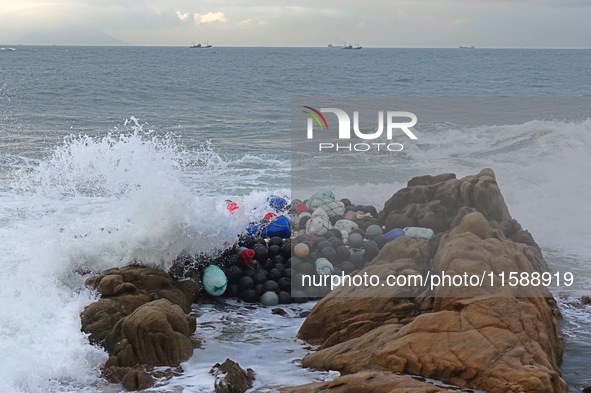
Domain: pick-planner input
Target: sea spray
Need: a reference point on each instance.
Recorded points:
(97, 203)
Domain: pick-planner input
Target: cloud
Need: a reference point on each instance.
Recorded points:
(210, 17)
(183, 16)
(252, 22)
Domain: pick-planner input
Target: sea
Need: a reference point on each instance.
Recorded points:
(110, 155)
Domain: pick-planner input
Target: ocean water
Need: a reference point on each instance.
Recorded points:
(110, 154)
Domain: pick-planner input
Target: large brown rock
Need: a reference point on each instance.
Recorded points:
(369, 382)
(141, 319)
(157, 333)
(493, 337)
(123, 291)
(351, 311)
(434, 202)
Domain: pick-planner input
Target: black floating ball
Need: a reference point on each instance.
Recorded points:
(261, 241)
(232, 291)
(370, 244)
(249, 296)
(335, 218)
(286, 251)
(371, 210)
(234, 274)
(259, 289)
(300, 238)
(287, 272)
(346, 202)
(295, 261)
(338, 243)
(357, 261)
(271, 285)
(306, 268)
(280, 267)
(233, 260)
(359, 208)
(329, 234)
(260, 277)
(370, 253)
(348, 267)
(313, 292)
(284, 297)
(343, 253)
(284, 284)
(299, 297)
(245, 283)
(274, 250)
(275, 274)
(324, 245)
(276, 241)
(380, 240)
(247, 242)
(359, 231)
(349, 208)
(303, 221)
(261, 254)
(308, 243)
(337, 233)
(278, 260)
(329, 253)
(318, 240)
(251, 271)
(313, 256)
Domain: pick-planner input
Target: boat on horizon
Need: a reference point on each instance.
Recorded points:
(334, 46)
(207, 45)
(350, 46)
(467, 47)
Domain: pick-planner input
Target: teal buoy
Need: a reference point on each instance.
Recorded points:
(214, 280)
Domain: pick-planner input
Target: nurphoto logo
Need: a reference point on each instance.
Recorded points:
(392, 119)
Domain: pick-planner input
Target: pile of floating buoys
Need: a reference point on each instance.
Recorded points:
(319, 237)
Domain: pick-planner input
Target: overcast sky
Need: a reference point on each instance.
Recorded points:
(372, 23)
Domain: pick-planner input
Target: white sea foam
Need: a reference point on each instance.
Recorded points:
(96, 203)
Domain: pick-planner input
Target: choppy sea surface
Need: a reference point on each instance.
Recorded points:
(109, 154)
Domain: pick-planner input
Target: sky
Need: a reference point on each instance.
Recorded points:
(371, 23)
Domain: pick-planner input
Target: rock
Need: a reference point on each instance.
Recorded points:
(435, 204)
(132, 378)
(368, 382)
(427, 180)
(157, 333)
(231, 378)
(491, 337)
(343, 313)
(123, 291)
(279, 311)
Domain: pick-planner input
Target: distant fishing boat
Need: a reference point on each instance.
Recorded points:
(467, 47)
(3, 48)
(350, 46)
(334, 46)
(207, 45)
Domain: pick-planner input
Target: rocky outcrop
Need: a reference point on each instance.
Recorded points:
(435, 201)
(157, 333)
(141, 320)
(231, 378)
(492, 337)
(369, 382)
